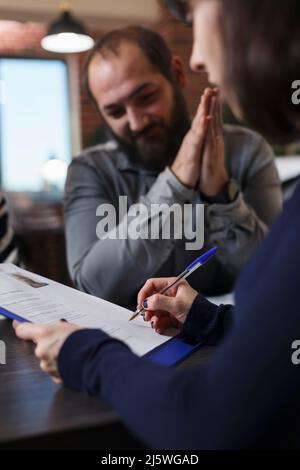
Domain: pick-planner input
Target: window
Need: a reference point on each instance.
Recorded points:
(35, 133)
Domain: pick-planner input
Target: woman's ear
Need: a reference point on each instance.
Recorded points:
(178, 71)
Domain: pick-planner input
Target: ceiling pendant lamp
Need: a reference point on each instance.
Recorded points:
(67, 35)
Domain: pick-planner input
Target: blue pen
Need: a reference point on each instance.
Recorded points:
(188, 270)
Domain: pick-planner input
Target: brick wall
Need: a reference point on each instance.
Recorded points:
(21, 38)
(90, 118)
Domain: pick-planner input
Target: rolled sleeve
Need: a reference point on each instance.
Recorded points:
(168, 188)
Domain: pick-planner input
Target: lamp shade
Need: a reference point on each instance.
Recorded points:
(67, 35)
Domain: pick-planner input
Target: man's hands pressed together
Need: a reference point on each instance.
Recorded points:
(213, 175)
(201, 160)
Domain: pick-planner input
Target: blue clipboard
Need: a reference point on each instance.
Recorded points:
(12, 316)
(172, 351)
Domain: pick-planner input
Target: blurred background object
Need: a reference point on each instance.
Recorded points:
(66, 34)
(40, 236)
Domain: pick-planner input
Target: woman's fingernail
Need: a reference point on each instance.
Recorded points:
(145, 303)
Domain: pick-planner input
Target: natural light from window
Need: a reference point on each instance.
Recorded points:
(35, 134)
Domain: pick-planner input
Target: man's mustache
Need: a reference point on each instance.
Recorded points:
(134, 136)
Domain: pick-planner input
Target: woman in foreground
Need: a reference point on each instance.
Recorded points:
(247, 396)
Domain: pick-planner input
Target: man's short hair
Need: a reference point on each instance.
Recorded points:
(150, 43)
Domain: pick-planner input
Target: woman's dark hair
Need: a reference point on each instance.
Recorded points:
(261, 44)
(151, 44)
(179, 9)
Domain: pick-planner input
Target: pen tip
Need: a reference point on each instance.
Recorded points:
(136, 313)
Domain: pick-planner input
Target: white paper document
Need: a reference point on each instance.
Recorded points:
(40, 300)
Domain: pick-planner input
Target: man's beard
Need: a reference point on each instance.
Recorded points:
(156, 150)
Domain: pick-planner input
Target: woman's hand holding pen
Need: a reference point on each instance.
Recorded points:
(169, 310)
(187, 163)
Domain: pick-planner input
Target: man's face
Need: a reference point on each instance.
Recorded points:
(142, 108)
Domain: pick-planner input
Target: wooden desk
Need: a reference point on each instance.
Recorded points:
(37, 414)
